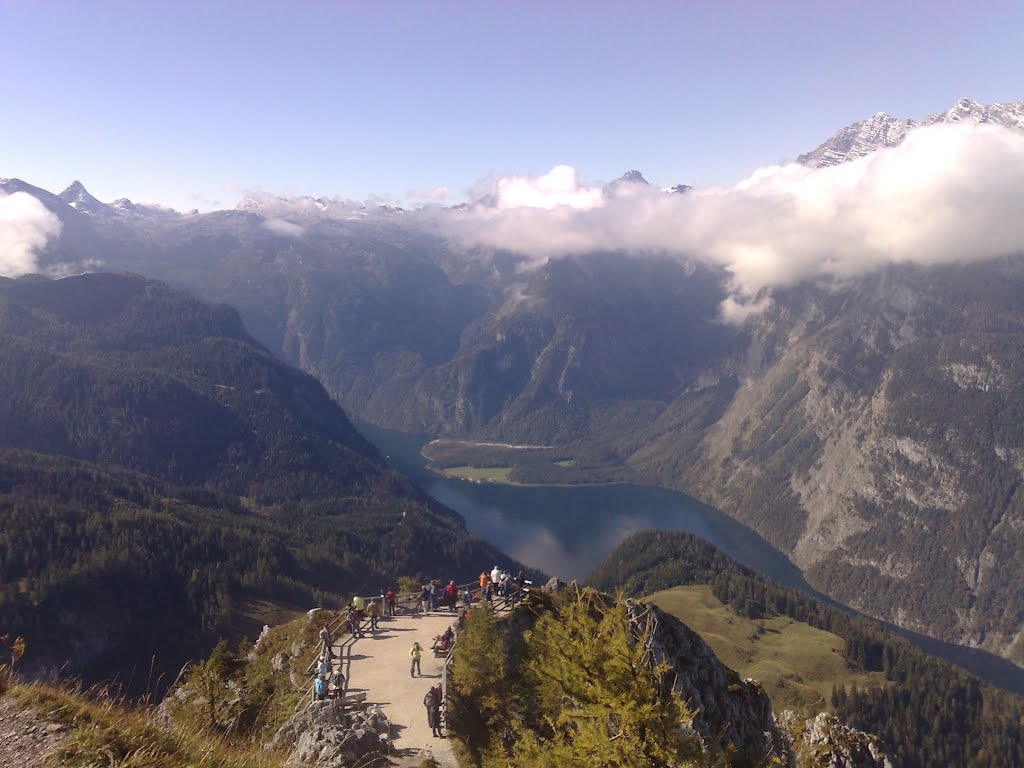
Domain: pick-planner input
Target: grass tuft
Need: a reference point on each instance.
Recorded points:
(103, 730)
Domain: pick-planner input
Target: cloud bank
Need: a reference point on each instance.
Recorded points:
(948, 193)
(25, 226)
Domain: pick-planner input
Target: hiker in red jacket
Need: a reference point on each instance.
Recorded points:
(451, 595)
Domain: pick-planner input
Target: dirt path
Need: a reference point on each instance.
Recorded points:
(26, 741)
(378, 664)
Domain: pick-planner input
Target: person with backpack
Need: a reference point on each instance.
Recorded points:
(415, 653)
(319, 689)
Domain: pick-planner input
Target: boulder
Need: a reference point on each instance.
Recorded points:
(325, 734)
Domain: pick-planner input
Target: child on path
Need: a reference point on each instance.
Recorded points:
(415, 653)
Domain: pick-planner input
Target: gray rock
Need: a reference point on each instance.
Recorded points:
(830, 743)
(279, 661)
(325, 734)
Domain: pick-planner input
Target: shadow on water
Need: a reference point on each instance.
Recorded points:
(569, 531)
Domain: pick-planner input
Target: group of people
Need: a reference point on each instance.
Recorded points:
(432, 593)
(496, 583)
(499, 583)
(327, 682)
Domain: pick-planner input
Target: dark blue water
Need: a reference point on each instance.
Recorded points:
(568, 531)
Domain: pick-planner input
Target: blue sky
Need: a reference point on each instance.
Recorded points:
(192, 103)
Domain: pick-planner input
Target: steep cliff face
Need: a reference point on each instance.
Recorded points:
(880, 447)
(727, 708)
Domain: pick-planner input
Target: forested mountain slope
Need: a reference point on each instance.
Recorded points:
(170, 471)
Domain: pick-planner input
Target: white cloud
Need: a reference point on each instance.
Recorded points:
(25, 226)
(948, 193)
(559, 187)
(283, 227)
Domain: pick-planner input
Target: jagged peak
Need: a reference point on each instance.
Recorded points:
(78, 197)
(632, 176)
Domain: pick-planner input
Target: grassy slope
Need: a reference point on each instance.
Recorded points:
(796, 663)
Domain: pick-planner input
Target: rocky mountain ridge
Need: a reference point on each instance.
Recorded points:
(882, 130)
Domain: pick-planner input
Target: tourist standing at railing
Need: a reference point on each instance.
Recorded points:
(485, 586)
(433, 595)
(323, 669)
(373, 611)
(319, 688)
(360, 605)
(425, 599)
(325, 641)
(467, 599)
(451, 595)
(353, 622)
(390, 598)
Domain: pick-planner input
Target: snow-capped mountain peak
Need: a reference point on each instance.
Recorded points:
(78, 197)
(883, 130)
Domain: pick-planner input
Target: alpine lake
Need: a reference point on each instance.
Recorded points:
(567, 531)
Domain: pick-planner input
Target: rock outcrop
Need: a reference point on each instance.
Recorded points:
(824, 742)
(327, 735)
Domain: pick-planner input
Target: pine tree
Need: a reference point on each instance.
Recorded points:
(599, 698)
